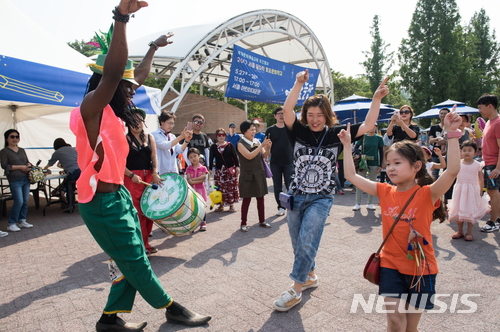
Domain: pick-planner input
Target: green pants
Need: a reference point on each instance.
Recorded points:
(113, 222)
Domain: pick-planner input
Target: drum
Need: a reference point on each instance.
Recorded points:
(175, 207)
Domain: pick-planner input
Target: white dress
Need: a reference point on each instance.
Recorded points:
(467, 205)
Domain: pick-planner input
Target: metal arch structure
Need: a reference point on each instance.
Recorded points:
(271, 33)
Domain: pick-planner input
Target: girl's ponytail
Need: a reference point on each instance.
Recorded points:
(423, 178)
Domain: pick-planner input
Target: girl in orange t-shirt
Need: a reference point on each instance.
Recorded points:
(408, 265)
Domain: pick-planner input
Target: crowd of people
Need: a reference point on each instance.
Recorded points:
(309, 158)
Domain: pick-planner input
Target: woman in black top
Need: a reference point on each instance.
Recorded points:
(227, 169)
(141, 166)
(401, 126)
(16, 165)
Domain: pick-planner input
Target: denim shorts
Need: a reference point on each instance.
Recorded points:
(397, 285)
(490, 184)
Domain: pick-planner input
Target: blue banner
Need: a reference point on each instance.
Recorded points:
(257, 78)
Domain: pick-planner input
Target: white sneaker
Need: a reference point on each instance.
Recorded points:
(287, 300)
(2, 234)
(13, 228)
(24, 224)
(281, 212)
(371, 207)
(356, 207)
(310, 283)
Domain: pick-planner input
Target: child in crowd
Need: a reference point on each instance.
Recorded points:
(467, 204)
(408, 265)
(196, 174)
(430, 165)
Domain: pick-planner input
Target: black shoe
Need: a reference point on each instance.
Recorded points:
(187, 317)
(120, 326)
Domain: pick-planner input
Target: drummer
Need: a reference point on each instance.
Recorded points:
(105, 204)
(141, 166)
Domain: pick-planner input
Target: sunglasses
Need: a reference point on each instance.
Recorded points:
(405, 112)
(14, 136)
(198, 122)
(221, 135)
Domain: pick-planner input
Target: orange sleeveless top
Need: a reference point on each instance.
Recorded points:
(114, 143)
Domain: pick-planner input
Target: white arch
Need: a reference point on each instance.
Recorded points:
(205, 58)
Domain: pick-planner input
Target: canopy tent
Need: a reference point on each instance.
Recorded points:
(462, 108)
(38, 90)
(354, 109)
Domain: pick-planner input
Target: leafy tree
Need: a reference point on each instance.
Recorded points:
(429, 57)
(479, 70)
(347, 86)
(377, 61)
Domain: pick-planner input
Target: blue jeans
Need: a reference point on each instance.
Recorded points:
(280, 173)
(306, 223)
(20, 191)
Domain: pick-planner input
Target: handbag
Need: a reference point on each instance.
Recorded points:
(286, 200)
(359, 158)
(371, 271)
(269, 174)
(36, 174)
(231, 170)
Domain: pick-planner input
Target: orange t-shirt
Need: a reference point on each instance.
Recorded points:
(419, 212)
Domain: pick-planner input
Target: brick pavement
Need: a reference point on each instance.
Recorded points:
(54, 276)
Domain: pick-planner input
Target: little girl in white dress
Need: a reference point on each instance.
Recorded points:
(468, 204)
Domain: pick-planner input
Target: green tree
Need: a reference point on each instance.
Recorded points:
(429, 57)
(347, 86)
(479, 70)
(377, 61)
(84, 48)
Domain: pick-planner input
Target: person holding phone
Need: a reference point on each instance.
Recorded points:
(252, 173)
(401, 126)
(199, 139)
(167, 144)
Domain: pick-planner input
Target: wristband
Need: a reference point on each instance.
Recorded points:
(117, 16)
(454, 134)
(131, 175)
(152, 43)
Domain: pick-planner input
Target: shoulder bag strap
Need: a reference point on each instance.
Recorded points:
(397, 219)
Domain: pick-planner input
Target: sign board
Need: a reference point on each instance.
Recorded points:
(257, 78)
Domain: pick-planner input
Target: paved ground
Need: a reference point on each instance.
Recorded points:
(54, 276)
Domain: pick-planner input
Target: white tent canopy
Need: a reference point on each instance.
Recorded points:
(462, 108)
(39, 124)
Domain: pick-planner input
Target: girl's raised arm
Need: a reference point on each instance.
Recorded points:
(451, 123)
(292, 98)
(373, 112)
(360, 182)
